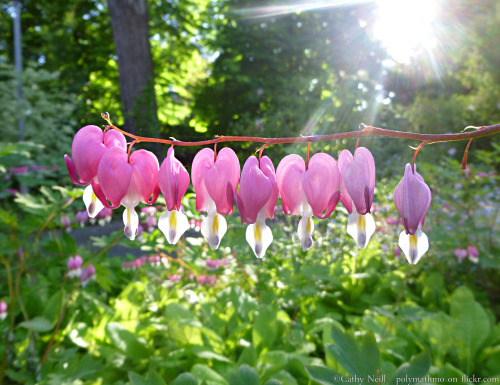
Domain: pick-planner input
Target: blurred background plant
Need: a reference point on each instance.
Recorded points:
(156, 314)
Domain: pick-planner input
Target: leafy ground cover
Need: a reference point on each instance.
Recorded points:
(191, 315)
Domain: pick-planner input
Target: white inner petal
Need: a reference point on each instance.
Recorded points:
(92, 203)
(213, 227)
(361, 228)
(259, 237)
(131, 222)
(304, 231)
(414, 246)
(173, 224)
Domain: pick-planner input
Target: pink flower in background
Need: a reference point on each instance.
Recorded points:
(3, 310)
(65, 221)
(150, 210)
(460, 254)
(174, 277)
(213, 263)
(256, 200)
(308, 192)
(412, 198)
(127, 182)
(357, 186)
(154, 260)
(211, 279)
(74, 266)
(87, 274)
(473, 254)
(397, 251)
(392, 221)
(18, 170)
(207, 279)
(89, 146)
(108, 214)
(215, 183)
(202, 279)
(173, 180)
(82, 217)
(12, 191)
(150, 223)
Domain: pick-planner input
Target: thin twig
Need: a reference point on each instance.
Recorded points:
(367, 131)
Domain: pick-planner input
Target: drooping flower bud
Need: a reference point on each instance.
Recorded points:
(87, 274)
(89, 145)
(473, 254)
(74, 266)
(357, 185)
(127, 182)
(173, 180)
(256, 201)
(412, 198)
(215, 183)
(308, 192)
(3, 310)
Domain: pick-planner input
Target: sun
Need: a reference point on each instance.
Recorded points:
(405, 27)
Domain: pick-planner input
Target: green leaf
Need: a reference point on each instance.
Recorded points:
(185, 379)
(370, 356)
(273, 382)
(346, 351)
(265, 328)
(417, 368)
(37, 324)
(208, 355)
(472, 326)
(127, 342)
(68, 243)
(155, 379)
(136, 379)
(272, 362)
(203, 372)
(323, 375)
(246, 375)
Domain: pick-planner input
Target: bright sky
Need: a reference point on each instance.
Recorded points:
(405, 27)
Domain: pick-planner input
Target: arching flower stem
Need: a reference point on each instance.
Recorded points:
(415, 156)
(367, 131)
(307, 155)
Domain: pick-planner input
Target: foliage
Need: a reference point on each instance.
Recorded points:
(42, 122)
(292, 318)
(288, 75)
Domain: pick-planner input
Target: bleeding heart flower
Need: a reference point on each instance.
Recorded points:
(308, 192)
(127, 182)
(256, 201)
(173, 180)
(473, 254)
(357, 185)
(74, 266)
(460, 254)
(412, 198)
(89, 145)
(215, 183)
(3, 310)
(87, 274)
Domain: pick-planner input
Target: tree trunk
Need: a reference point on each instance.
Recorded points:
(129, 21)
